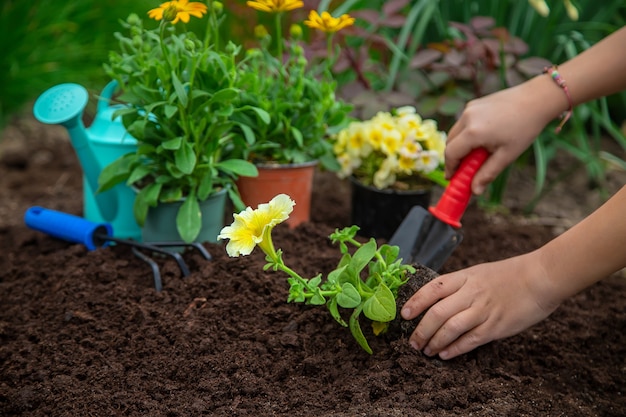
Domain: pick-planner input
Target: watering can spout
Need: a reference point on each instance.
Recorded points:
(64, 105)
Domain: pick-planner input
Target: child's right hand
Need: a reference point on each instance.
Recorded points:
(468, 308)
(505, 123)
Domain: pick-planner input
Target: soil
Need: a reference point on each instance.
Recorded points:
(86, 334)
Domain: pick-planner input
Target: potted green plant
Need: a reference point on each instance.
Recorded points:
(180, 93)
(392, 161)
(366, 280)
(300, 109)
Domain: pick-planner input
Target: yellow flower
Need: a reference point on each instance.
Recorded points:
(178, 10)
(260, 32)
(540, 6)
(327, 23)
(572, 11)
(275, 6)
(385, 176)
(427, 161)
(254, 227)
(544, 10)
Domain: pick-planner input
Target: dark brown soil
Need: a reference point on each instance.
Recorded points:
(85, 334)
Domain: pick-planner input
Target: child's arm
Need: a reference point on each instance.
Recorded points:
(474, 306)
(506, 122)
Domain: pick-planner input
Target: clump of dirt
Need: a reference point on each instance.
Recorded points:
(85, 333)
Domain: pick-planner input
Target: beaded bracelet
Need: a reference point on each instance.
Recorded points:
(554, 73)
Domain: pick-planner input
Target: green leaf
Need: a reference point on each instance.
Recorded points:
(248, 133)
(381, 306)
(357, 333)
(363, 255)
(185, 158)
(172, 144)
(171, 194)
(262, 114)
(170, 111)
(238, 167)
(224, 96)
(141, 171)
(297, 135)
(349, 297)
(334, 311)
(147, 197)
(317, 299)
(189, 219)
(115, 172)
(180, 89)
(205, 187)
(438, 177)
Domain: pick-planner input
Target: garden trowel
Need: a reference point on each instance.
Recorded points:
(428, 237)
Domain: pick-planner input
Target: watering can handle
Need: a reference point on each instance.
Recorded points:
(457, 194)
(104, 101)
(67, 226)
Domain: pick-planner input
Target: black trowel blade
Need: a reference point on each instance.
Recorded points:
(424, 239)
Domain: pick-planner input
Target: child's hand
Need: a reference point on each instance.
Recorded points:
(505, 123)
(476, 305)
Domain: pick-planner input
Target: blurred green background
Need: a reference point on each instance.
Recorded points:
(45, 43)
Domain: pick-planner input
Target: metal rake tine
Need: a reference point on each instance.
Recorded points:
(156, 273)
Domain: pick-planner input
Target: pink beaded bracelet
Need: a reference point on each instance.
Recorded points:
(554, 73)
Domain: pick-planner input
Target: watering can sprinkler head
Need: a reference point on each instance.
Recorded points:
(61, 105)
(64, 105)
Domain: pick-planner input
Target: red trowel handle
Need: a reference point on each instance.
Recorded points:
(456, 196)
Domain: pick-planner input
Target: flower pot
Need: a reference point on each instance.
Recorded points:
(378, 213)
(295, 180)
(160, 225)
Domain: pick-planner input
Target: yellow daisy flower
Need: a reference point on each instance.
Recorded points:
(327, 23)
(275, 6)
(176, 10)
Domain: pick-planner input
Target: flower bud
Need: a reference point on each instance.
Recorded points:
(170, 13)
(190, 45)
(137, 41)
(295, 31)
(133, 19)
(218, 7)
(260, 32)
(230, 48)
(253, 52)
(298, 50)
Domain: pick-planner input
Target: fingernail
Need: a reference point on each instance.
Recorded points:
(405, 313)
(414, 345)
(479, 189)
(427, 351)
(444, 354)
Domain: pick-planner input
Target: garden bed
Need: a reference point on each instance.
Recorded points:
(84, 333)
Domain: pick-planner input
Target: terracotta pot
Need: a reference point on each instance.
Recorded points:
(295, 180)
(378, 213)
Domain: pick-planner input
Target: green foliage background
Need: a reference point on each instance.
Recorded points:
(44, 43)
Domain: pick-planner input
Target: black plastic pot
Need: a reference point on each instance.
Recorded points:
(378, 213)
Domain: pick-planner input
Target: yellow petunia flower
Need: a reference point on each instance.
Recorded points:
(176, 10)
(275, 6)
(327, 23)
(254, 227)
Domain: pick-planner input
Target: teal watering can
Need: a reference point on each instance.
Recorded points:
(96, 147)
